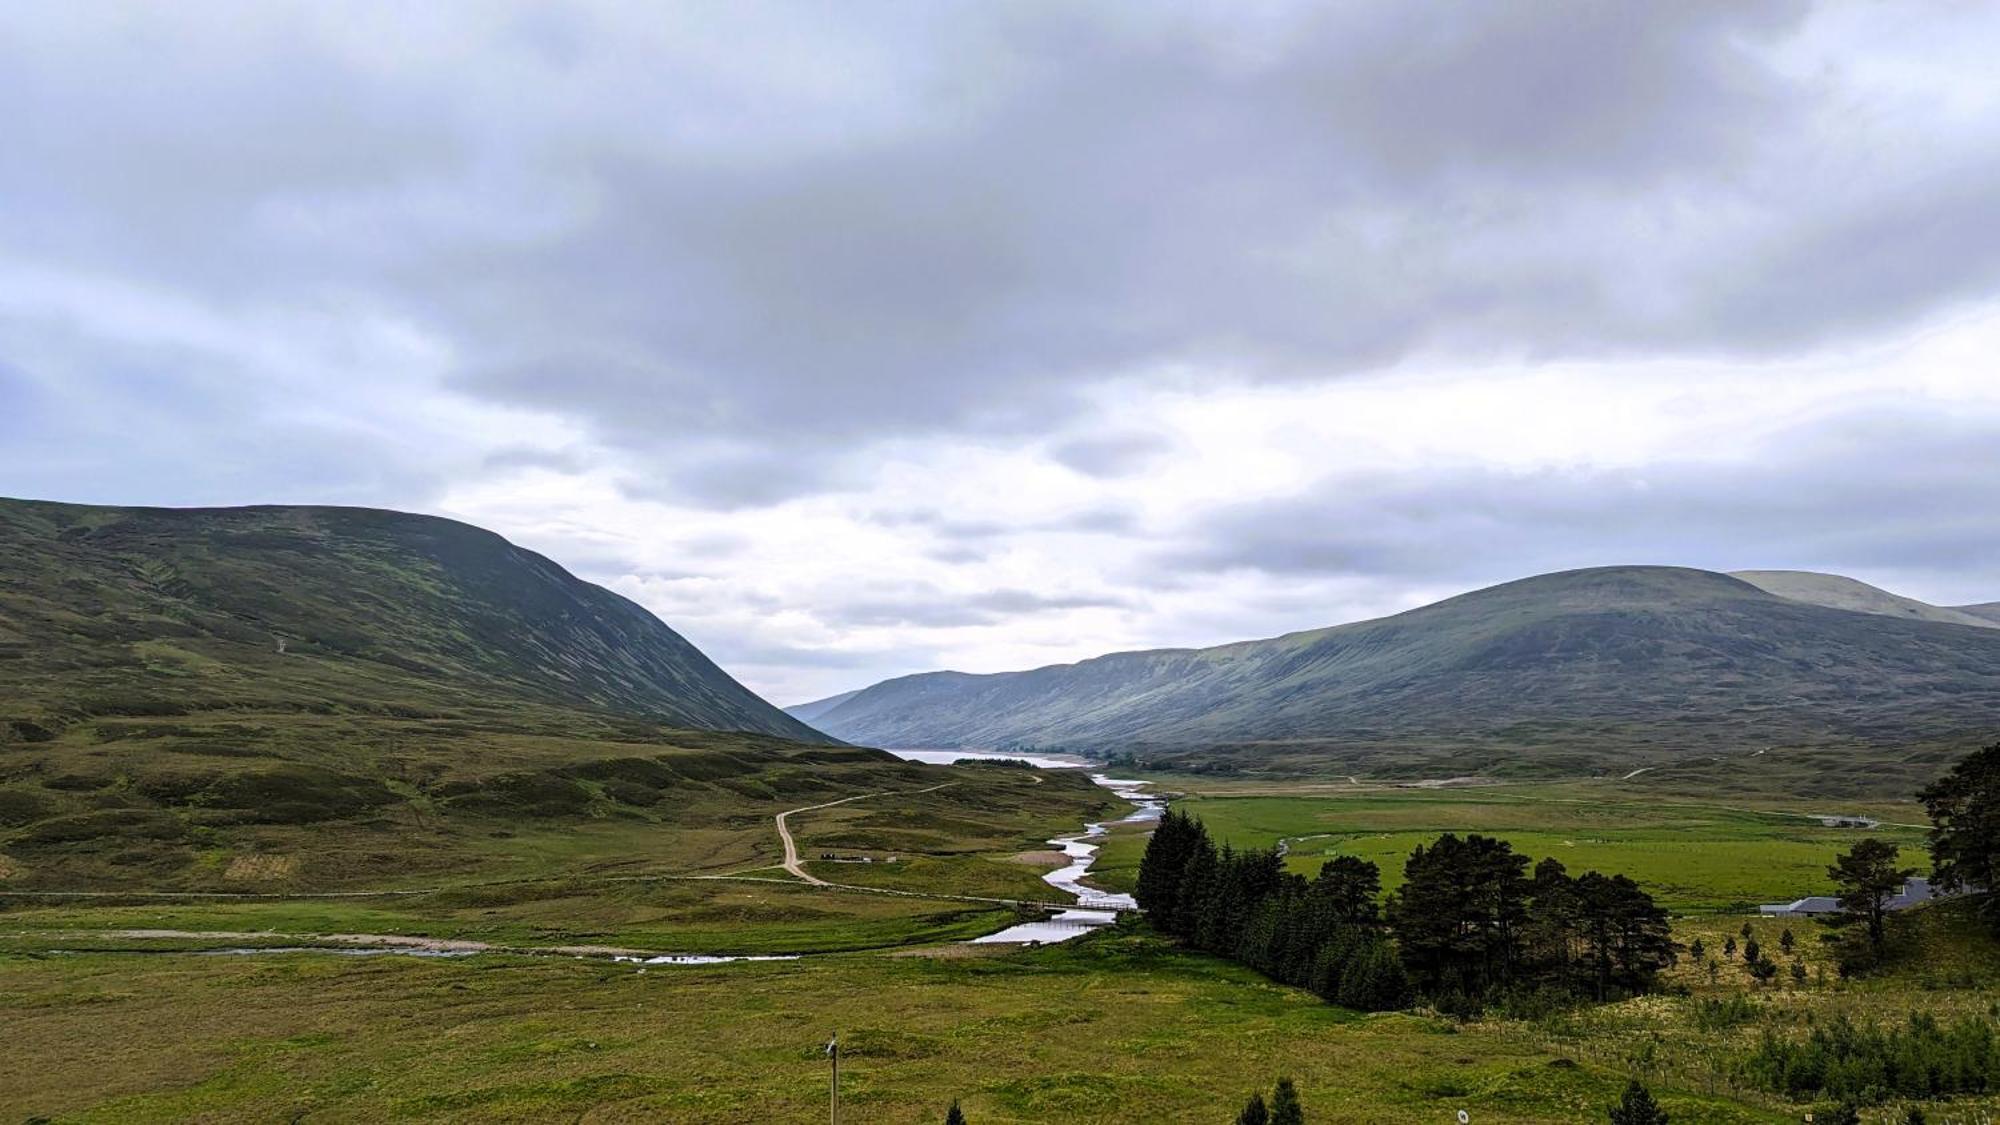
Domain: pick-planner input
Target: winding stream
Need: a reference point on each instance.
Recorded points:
(1095, 908)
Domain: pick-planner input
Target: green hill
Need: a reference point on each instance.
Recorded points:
(147, 611)
(304, 698)
(1563, 672)
(1839, 592)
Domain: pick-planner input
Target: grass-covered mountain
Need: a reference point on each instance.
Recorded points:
(806, 712)
(1583, 668)
(148, 611)
(1985, 611)
(1840, 592)
(303, 698)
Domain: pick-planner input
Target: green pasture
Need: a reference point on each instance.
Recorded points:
(1696, 858)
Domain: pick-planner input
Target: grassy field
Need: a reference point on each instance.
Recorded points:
(270, 803)
(1695, 857)
(691, 865)
(1114, 1028)
(1123, 1029)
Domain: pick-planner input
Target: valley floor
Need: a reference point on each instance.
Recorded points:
(1116, 1027)
(110, 1019)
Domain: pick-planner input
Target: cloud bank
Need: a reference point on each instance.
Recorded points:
(976, 335)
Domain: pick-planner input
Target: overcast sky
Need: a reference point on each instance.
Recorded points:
(860, 340)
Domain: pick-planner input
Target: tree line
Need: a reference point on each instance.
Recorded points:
(1471, 924)
(1922, 1059)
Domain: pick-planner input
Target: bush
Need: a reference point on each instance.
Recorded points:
(1723, 1014)
(120, 823)
(18, 807)
(535, 794)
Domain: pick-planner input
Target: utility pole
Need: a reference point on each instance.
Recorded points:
(833, 1089)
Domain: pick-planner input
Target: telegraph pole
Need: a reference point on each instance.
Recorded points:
(833, 1088)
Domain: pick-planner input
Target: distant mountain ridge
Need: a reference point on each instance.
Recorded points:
(1985, 611)
(1839, 592)
(807, 712)
(1577, 667)
(135, 611)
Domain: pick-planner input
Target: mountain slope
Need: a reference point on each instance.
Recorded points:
(1985, 611)
(1565, 669)
(1838, 592)
(147, 611)
(807, 712)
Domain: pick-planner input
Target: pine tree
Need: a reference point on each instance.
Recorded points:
(1729, 948)
(1964, 808)
(1698, 951)
(1785, 941)
(1637, 1107)
(1868, 877)
(1160, 868)
(1799, 973)
(1285, 1107)
(1761, 970)
(1458, 918)
(1254, 1113)
(954, 1116)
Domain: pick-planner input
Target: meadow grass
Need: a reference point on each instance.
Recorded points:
(1121, 1027)
(1695, 858)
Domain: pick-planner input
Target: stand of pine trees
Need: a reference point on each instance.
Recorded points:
(1470, 924)
(1324, 934)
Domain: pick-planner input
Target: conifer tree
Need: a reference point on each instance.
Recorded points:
(1285, 1107)
(1254, 1113)
(1868, 878)
(1160, 868)
(954, 1116)
(1637, 1107)
(1964, 808)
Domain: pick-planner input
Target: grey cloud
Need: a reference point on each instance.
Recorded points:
(1009, 603)
(742, 478)
(1110, 455)
(1103, 519)
(931, 607)
(1877, 491)
(527, 457)
(737, 280)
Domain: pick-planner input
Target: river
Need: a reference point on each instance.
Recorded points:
(1094, 908)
